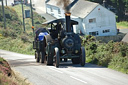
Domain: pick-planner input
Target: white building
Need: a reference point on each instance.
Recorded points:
(93, 18)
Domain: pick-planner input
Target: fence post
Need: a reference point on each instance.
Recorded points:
(23, 15)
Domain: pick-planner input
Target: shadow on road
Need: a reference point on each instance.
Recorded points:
(23, 62)
(69, 64)
(32, 62)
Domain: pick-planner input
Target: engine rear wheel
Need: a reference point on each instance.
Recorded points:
(76, 60)
(42, 56)
(37, 56)
(57, 57)
(82, 59)
(49, 60)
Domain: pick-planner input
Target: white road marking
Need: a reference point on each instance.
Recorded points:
(78, 79)
(56, 70)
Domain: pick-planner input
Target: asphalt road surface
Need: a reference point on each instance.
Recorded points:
(66, 74)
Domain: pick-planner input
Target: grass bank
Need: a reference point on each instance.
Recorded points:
(14, 38)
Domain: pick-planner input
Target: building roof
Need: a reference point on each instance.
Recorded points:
(125, 39)
(81, 9)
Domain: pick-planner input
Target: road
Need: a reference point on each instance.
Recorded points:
(124, 30)
(66, 74)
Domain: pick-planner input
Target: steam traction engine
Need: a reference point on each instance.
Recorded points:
(60, 42)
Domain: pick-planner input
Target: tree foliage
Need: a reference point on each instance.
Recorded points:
(120, 5)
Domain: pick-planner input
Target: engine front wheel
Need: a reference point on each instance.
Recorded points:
(82, 57)
(57, 57)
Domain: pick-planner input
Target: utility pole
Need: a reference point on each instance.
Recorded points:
(23, 15)
(3, 14)
(6, 2)
(32, 16)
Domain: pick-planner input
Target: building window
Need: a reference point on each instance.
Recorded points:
(59, 12)
(92, 20)
(106, 31)
(51, 9)
(94, 33)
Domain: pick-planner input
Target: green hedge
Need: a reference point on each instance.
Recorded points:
(112, 54)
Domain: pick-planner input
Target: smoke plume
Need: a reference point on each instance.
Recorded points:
(63, 3)
(66, 4)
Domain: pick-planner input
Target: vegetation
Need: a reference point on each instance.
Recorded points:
(121, 7)
(7, 76)
(123, 24)
(14, 38)
(112, 54)
(28, 23)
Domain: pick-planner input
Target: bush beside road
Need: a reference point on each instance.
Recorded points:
(112, 54)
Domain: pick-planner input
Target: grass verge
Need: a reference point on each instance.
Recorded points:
(122, 25)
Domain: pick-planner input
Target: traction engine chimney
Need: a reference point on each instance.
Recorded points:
(68, 21)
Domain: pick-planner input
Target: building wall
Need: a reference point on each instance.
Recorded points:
(102, 21)
(55, 11)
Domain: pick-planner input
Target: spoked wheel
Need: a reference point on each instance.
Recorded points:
(37, 55)
(82, 57)
(42, 56)
(57, 57)
(45, 59)
(49, 60)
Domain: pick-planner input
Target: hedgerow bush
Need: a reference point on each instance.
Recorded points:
(8, 33)
(119, 63)
(111, 54)
(12, 20)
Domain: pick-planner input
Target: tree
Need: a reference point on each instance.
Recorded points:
(120, 5)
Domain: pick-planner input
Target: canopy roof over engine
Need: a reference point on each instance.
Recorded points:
(62, 20)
